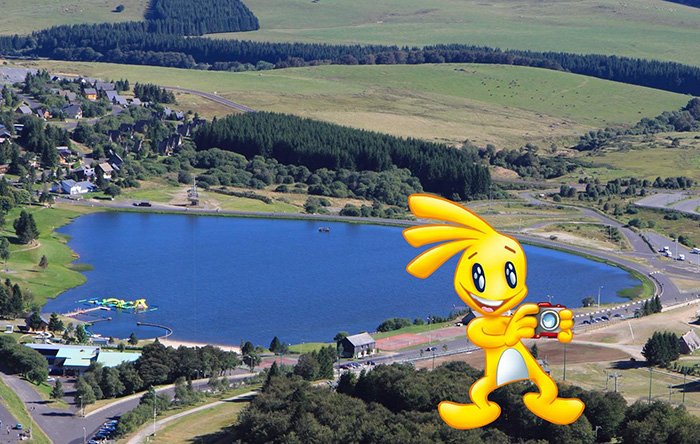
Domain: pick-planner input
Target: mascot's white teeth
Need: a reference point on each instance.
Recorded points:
(487, 303)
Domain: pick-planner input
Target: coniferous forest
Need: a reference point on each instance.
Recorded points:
(292, 140)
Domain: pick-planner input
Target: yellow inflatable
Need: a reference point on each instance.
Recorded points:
(490, 278)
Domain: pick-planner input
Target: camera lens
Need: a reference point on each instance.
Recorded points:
(549, 320)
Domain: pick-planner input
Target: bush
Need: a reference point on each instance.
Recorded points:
(393, 324)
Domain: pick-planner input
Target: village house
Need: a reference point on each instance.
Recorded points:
(24, 110)
(689, 342)
(72, 187)
(85, 172)
(73, 111)
(90, 93)
(106, 170)
(167, 145)
(111, 95)
(357, 346)
(136, 101)
(104, 86)
(119, 100)
(44, 323)
(43, 113)
(70, 96)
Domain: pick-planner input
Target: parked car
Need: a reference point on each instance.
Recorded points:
(143, 203)
(17, 427)
(605, 318)
(431, 349)
(50, 379)
(587, 322)
(617, 315)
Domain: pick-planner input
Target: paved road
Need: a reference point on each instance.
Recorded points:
(6, 419)
(213, 97)
(675, 201)
(129, 204)
(64, 427)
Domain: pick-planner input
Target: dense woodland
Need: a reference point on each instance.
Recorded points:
(185, 17)
(313, 144)
(397, 404)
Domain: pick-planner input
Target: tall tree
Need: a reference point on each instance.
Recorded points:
(57, 390)
(55, 324)
(25, 228)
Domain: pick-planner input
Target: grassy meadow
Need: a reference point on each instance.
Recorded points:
(23, 263)
(643, 28)
(503, 105)
(23, 17)
(645, 157)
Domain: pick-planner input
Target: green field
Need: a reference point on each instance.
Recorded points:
(23, 268)
(23, 17)
(644, 158)
(643, 28)
(502, 105)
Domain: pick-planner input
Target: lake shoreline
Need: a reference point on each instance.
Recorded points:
(357, 221)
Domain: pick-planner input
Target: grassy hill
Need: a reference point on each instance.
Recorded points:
(503, 105)
(643, 28)
(23, 17)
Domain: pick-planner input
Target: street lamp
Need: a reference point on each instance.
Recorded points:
(84, 436)
(81, 405)
(599, 288)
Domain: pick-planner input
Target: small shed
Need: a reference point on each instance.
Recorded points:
(44, 323)
(357, 346)
(689, 342)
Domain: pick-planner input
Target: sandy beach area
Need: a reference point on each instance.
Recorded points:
(175, 343)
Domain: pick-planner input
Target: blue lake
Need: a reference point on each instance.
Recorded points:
(219, 279)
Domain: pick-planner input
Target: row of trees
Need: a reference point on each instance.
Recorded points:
(164, 42)
(149, 92)
(157, 365)
(315, 145)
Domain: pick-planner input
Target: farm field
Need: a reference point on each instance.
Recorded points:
(644, 29)
(503, 105)
(23, 17)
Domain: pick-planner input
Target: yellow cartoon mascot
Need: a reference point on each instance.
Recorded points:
(490, 278)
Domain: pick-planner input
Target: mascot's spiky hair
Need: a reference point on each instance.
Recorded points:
(471, 230)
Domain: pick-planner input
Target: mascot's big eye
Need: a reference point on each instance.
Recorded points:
(479, 278)
(511, 278)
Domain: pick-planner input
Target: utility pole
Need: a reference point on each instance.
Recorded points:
(670, 391)
(615, 376)
(565, 361)
(684, 388)
(650, 374)
(607, 380)
(599, 288)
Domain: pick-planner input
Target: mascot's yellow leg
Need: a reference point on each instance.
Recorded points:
(547, 405)
(471, 416)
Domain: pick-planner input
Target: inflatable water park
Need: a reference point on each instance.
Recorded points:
(120, 304)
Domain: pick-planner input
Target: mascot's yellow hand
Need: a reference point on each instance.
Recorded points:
(521, 325)
(566, 322)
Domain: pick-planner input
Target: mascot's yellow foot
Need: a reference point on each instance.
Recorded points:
(560, 411)
(468, 416)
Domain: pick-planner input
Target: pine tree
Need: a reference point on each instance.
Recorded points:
(57, 391)
(133, 340)
(25, 228)
(55, 324)
(275, 344)
(534, 351)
